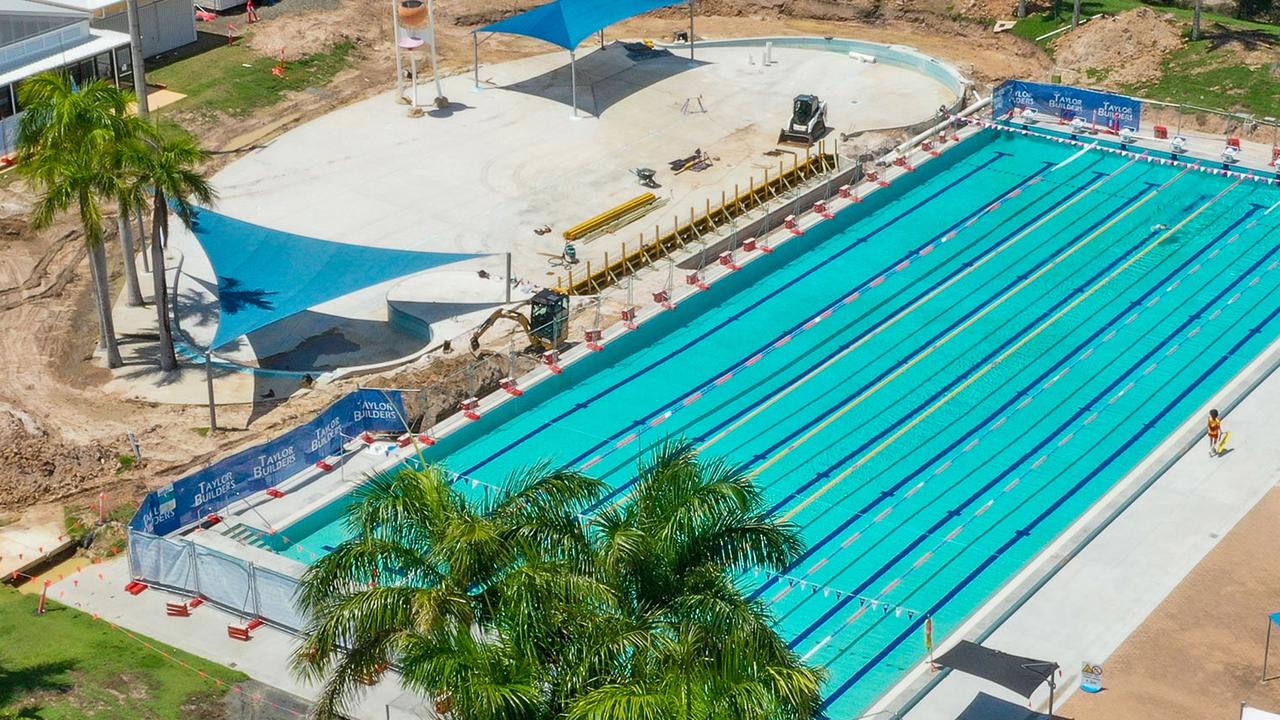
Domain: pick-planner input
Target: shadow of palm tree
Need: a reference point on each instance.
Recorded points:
(1220, 35)
(233, 297)
(49, 677)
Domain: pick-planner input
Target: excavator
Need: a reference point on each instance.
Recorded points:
(547, 326)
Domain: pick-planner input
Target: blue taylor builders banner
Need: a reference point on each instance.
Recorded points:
(1066, 102)
(258, 468)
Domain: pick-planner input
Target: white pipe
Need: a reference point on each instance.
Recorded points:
(573, 80)
(435, 73)
(395, 41)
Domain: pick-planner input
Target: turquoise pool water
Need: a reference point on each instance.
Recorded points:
(932, 386)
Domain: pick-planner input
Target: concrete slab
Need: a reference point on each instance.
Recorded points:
(100, 590)
(510, 157)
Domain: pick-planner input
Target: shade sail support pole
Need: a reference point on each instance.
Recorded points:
(475, 57)
(395, 43)
(573, 81)
(691, 30)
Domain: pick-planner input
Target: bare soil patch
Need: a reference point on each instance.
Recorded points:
(1121, 50)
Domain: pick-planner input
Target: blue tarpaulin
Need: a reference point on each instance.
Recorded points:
(266, 275)
(568, 22)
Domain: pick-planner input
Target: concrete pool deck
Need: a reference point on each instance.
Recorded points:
(508, 158)
(1097, 598)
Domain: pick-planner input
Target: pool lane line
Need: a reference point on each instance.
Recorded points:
(906, 307)
(914, 625)
(893, 321)
(1026, 339)
(901, 369)
(974, 496)
(943, 459)
(1059, 440)
(693, 342)
(925, 344)
(686, 398)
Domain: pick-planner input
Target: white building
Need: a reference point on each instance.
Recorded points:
(164, 24)
(35, 37)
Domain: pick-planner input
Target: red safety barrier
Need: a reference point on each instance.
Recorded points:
(254, 624)
(196, 602)
(695, 279)
(324, 465)
(273, 492)
(404, 441)
(593, 337)
(789, 222)
(133, 588)
(469, 408)
(177, 610)
(509, 385)
(552, 360)
(726, 259)
(238, 633)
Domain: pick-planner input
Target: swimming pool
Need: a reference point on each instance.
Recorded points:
(931, 386)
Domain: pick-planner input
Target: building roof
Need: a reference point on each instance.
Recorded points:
(100, 41)
(85, 6)
(21, 19)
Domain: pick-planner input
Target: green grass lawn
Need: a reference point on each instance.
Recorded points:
(235, 80)
(1196, 75)
(1035, 25)
(66, 665)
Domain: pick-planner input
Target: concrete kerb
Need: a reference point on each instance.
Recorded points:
(980, 626)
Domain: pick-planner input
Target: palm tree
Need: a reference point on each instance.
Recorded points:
(67, 144)
(519, 606)
(168, 169)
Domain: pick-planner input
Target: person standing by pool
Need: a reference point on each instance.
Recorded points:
(1215, 432)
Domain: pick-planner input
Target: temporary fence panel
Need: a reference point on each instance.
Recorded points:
(164, 562)
(190, 499)
(276, 596)
(226, 581)
(1066, 102)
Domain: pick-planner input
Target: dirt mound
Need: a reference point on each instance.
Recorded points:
(37, 468)
(1118, 51)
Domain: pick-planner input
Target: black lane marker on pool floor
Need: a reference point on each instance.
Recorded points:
(730, 319)
(869, 580)
(1021, 533)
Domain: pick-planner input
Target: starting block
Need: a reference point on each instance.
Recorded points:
(749, 245)
(273, 492)
(509, 385)
(366, 438)
(324, 465)
(695, 279)
(1275, 156)
(663, 298)
(822, 209)
(212, 519)
(901, 161)
(629, 318)
(726, 259)
(426, 439)
(593, 337)
(789, 222)
(874, 177)
(469, 408)
(847, 192)
(552, 360)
